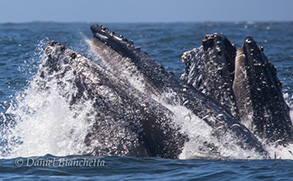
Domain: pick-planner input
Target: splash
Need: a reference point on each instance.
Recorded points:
(41, 121)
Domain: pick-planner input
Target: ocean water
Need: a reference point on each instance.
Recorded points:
(42, 145)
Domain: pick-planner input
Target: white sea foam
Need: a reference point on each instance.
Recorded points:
(44, 123)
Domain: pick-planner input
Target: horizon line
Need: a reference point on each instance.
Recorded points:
(148, 22)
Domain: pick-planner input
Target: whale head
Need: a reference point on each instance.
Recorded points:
(259, 96)
(210, 69)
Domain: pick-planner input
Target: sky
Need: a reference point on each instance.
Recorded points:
(117, 11)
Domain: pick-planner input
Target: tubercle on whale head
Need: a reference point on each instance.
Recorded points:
(217, 40)
(53, 58)
(52, 51)
(56, 52)
(50, 44)
(117, 42)
(250, 46)
(223, 47)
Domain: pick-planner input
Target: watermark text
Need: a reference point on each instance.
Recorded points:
(58, 162)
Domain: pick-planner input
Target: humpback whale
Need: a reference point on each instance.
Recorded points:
(244, 81)
(134, 66)
(126, 122)
(235, 92)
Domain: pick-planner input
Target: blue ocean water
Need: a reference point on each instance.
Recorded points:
(131, 168)
(21, 47)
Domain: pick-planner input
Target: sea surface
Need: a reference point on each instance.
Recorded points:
(40, 147)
